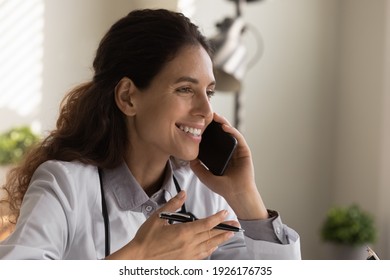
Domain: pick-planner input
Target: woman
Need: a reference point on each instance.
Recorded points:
(134, 132)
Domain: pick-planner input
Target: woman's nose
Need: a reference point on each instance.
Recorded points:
(203, 106)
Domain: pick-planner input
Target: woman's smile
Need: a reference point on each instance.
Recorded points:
(190, 132)
(194, 131)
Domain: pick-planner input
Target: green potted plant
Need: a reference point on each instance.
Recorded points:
(14, 143)
(350, 229)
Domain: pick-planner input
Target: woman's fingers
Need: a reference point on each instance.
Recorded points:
(206, 224)
(212, 239)
(221, 119)
(174, 204)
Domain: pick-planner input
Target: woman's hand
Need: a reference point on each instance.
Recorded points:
(237, 185)
(157, 239)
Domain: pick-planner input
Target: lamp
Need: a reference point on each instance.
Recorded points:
(230, 63)
(230, 54)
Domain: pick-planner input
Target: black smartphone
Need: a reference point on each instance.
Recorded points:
(216, 148)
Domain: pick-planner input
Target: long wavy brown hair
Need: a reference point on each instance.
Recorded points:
(90, 128)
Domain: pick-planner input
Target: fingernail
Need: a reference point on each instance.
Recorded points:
(212, 250)
(180, 194)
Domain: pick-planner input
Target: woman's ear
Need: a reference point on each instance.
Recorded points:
(124, 96)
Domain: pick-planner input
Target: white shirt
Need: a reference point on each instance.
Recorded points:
(61, 215)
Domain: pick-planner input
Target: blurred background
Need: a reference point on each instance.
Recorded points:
(314, 100)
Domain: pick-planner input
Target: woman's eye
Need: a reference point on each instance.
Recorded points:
(210, 93)
(185, 90)
(190, 91)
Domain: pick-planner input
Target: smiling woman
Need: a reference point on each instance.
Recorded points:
(171, 104)
(125, 149)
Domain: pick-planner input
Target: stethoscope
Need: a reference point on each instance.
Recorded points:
(106, 218)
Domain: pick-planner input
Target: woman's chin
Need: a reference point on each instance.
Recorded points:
(189, 156)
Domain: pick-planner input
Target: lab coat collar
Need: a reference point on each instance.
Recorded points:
(128, 193)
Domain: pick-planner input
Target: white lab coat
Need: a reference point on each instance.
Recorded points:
(61, 215)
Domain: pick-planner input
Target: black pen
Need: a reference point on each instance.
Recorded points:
(185, 218)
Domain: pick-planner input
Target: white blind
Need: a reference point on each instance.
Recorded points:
(21, 54)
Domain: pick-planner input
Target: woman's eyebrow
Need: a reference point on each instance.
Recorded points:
(191, 80)
(187, 79)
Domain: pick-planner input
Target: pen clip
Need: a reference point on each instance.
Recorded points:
(177, 217)
(174, 214)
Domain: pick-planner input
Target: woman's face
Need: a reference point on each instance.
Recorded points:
(172, 113)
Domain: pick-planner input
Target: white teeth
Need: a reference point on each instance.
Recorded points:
(191, 130)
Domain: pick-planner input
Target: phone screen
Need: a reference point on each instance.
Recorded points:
(216, 148)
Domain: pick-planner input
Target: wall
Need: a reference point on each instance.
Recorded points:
(294, 97)
(359, 102)
(384, 181)
(362, 146)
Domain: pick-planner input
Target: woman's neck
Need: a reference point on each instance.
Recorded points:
(149, 173)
